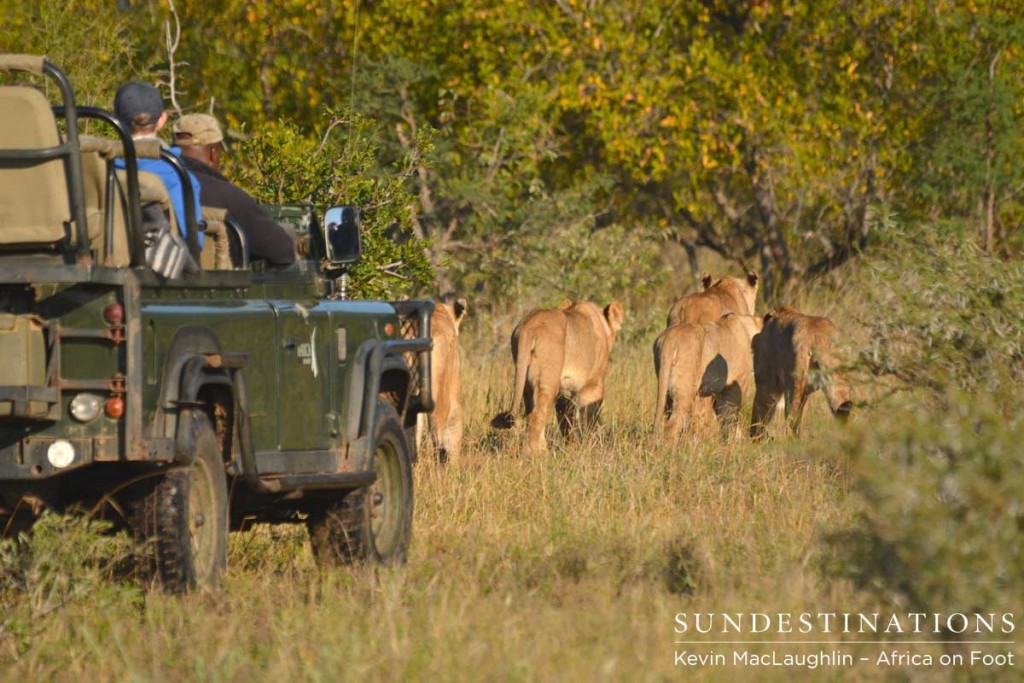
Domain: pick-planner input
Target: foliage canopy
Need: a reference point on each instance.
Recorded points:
(769, 132)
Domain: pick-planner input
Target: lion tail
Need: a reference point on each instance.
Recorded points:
(661, 367)
(524, 349)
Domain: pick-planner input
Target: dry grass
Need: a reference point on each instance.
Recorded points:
(569, 566)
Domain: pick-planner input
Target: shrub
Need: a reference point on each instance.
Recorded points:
(939, 474)
(942, 525)
(943, 316)
(279, 163)
(65, 562)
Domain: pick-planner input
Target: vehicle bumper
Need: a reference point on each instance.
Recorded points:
(36, 458)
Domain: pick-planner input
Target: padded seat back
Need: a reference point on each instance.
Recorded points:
(34, 199)
(97, 160)
(216, 252)
(152, 190)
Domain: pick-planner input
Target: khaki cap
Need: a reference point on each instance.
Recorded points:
(197, 129)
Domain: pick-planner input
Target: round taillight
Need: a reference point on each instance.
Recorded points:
(114, 314)
(85, 407)
(115, 407)
(389, 329)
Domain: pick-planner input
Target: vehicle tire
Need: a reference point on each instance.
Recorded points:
(181, 523)
(373, 524)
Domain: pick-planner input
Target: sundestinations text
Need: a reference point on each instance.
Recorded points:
(843, 622)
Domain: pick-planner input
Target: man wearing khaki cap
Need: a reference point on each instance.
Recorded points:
(202, 143)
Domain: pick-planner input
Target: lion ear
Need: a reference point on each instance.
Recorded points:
(705, 279)
(459, 308)
(565, 305)
(614, 313)
(752, 278)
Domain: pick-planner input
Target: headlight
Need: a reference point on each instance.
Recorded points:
(85, 407)
(60, 453)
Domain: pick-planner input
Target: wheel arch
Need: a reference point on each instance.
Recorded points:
(378, 374)
(195, 379)
(395, 381)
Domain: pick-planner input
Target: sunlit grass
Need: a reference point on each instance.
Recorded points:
(564, 566)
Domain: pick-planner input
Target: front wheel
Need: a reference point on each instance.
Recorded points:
(372, 524)
(181, 523)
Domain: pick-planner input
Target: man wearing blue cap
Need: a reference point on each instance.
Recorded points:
(139, 105)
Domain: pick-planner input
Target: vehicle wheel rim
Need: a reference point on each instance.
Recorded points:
(386, 500)
(202, 524)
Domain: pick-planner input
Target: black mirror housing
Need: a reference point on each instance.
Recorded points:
(342, 235)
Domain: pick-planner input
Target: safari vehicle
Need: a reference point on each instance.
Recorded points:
(182, 406)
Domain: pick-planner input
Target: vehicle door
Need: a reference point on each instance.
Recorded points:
(303, 376)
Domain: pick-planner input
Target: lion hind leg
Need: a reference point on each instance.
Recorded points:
(450, 441)
(796, 401)
(568, 416)
(543, 399)
(763, 410)
(727, 407)
(590, 415)
(588, 404)
(682, 413)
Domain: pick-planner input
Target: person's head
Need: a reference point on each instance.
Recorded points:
(139, 105)
(200, 137)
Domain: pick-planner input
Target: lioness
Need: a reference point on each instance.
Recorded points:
(717, 298)
(792, 358)
(561, 353)
(699, 360)
(446, 379)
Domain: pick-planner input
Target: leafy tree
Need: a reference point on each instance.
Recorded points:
(280, 164)
(90, 40)
(970, 143)
(773, 133)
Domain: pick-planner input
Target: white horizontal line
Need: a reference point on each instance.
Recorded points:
(844, 642)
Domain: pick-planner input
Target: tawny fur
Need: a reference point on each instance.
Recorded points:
(793, 356)
(561, 354)
(700, 362)
(717, 298)
(446, 379)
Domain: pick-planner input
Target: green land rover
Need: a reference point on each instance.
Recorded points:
(180, 403)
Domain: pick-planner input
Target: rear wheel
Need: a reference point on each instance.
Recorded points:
(181, 523)
(373, 524)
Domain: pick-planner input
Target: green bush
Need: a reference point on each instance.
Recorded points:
(95, 44)
(942, 524)
(66, 563)
(938, 467)
(279, 163)
(942, 316)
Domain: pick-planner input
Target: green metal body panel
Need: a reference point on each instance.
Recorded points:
(294, 377)
(303, 377)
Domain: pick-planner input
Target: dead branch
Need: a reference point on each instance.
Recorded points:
(172, 41)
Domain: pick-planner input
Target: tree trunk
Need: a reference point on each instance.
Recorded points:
(989, 201)
(776, 261)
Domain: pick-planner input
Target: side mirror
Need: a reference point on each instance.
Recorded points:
(341, 235)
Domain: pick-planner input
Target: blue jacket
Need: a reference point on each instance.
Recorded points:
(172, 182)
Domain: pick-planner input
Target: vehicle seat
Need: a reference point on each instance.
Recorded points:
(166, 252)
(98, 155)
(152, 191)
(35, 208)
(216, 253)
